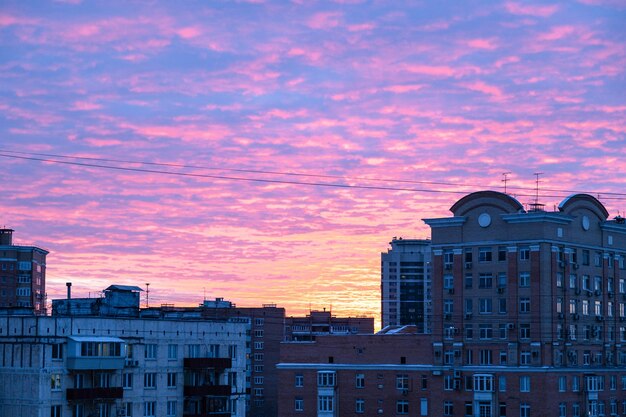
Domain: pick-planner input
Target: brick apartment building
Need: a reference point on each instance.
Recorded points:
(22, 274)
(528, 320)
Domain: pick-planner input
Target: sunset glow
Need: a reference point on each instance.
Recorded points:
(190, 120)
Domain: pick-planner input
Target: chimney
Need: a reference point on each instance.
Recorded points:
(6, 237)
(69, 290)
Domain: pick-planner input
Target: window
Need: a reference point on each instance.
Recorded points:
(483, 383)
(259, 380)
(171, 379)
(485, 357)
(524, 279)
(299, 404)
(258, 333)
(171, 409)
(57, 351)
(484, 254)
(259, 321)
(149, 380)
(524, 254)
(193, 351)
(359, 405)
(469, 331)
(524, 410)
(502, 383)
(172, 352)
(501, 253)
(524, 383)
(258, 392)
(469, 278)
(524, 305)
(448, 409)
(469, 305)
(448, 383)
(258, 345)
(486, 306)
(586, 282)
(486, 331)
(326, 379)
(402, 407)
(55, 382)
(55, 411)
(575, 383)
(232, 351)
(299, 380)
(559, 279)
(127, 380)
(502, 279)
(503, 357)
(151, 351)
(524, 331)
(448, 259)
(502, 305)
(359, 381)
(572, 306)
(524, 358)
(562, 410)
(448, 306)
(149, 409)
(562, 383)
(23, 292)
(448, 281)
(576, 410)
(325, 403)
(485, 280)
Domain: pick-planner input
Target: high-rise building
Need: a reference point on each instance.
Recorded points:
(22, 274)
(529, 319)
(405, 284)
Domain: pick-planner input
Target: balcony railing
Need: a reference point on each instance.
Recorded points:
(201, 363)
(111, 393)
(212, 390)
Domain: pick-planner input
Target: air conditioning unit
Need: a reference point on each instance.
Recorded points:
(510, 326)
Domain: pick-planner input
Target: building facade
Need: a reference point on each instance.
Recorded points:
(317, 323)
(108, 367)
(22, 274)
(528, 320)
(405, 284)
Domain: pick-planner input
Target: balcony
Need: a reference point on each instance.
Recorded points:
(79, 394)
(218, 414)
(203, 363)
(210, 390)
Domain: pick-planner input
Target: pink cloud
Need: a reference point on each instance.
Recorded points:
(325, 20)
(526, 9)
(506, 60)
(557, 33)
(189, 32)
(489, 44)
(85, 106)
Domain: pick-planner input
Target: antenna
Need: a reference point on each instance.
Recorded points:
(537, 174)
(505, 179)
(147, 294)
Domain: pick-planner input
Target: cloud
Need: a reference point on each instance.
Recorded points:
(530, 10)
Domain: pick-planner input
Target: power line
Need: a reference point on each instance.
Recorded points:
(42, 157)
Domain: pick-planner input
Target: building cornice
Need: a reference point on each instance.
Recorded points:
(446, 221)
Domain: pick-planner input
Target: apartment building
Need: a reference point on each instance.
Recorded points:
(22, 274)
(317, 323)
(528, 320)
(405, 284)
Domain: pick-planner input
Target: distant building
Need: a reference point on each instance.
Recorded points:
(22, 274)
(405, 284)
(317, 323)
(529, 319)
(83, 366)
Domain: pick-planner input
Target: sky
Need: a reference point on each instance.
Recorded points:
(268, 151)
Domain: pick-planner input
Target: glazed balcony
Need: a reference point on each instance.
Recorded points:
(204, 363)
(207, 390)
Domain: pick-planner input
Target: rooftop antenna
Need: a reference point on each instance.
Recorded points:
(536, 206)
(147, 294)
(204, 290)
(505, 179)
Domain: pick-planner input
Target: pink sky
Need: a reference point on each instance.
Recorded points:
(452, 94)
